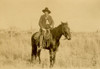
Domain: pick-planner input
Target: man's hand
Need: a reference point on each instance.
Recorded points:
(43, 29)
(51, 26)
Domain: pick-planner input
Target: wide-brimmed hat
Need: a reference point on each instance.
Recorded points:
(46, 10)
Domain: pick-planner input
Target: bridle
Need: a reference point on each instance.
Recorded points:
(64, 33)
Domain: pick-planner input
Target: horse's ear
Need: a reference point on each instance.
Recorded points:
(66, 22)
(62, 22)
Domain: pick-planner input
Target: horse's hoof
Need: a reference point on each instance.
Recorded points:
(51, 66)
(39, 62)
(31, 61)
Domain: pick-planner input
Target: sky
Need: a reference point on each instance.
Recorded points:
(81, 15)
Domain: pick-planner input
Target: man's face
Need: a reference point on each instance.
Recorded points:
(46, 13)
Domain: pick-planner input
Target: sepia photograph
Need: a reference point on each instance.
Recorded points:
(49, 34)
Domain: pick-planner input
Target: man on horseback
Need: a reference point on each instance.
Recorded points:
(46, 23)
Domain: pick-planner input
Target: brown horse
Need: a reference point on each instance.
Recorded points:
(57, 32)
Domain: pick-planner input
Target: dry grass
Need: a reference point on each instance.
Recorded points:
(79, 53)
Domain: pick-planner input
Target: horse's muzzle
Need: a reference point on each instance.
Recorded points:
(69, 38)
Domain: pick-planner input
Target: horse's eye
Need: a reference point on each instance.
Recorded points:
(66, 32)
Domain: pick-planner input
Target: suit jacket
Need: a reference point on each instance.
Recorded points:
(43, 22)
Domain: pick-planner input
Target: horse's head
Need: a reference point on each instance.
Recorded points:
(66, 30)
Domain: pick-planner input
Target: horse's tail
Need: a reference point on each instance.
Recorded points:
(34, 46)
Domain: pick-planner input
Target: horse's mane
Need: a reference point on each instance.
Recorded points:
(57, 30)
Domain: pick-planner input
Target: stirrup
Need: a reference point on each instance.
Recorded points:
(39, 48)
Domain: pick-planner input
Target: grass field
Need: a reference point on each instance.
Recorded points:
(82, 52)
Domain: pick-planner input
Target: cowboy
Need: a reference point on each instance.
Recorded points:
(46, 23)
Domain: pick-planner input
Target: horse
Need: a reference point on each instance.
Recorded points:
(56, 32)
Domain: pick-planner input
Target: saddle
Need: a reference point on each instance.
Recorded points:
(47, 36)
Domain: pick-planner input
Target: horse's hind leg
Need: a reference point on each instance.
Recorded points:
(38, 54)
(33, 54)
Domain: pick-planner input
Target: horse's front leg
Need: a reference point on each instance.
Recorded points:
(52, 57)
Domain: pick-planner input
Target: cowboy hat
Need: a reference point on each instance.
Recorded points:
(46, 10)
